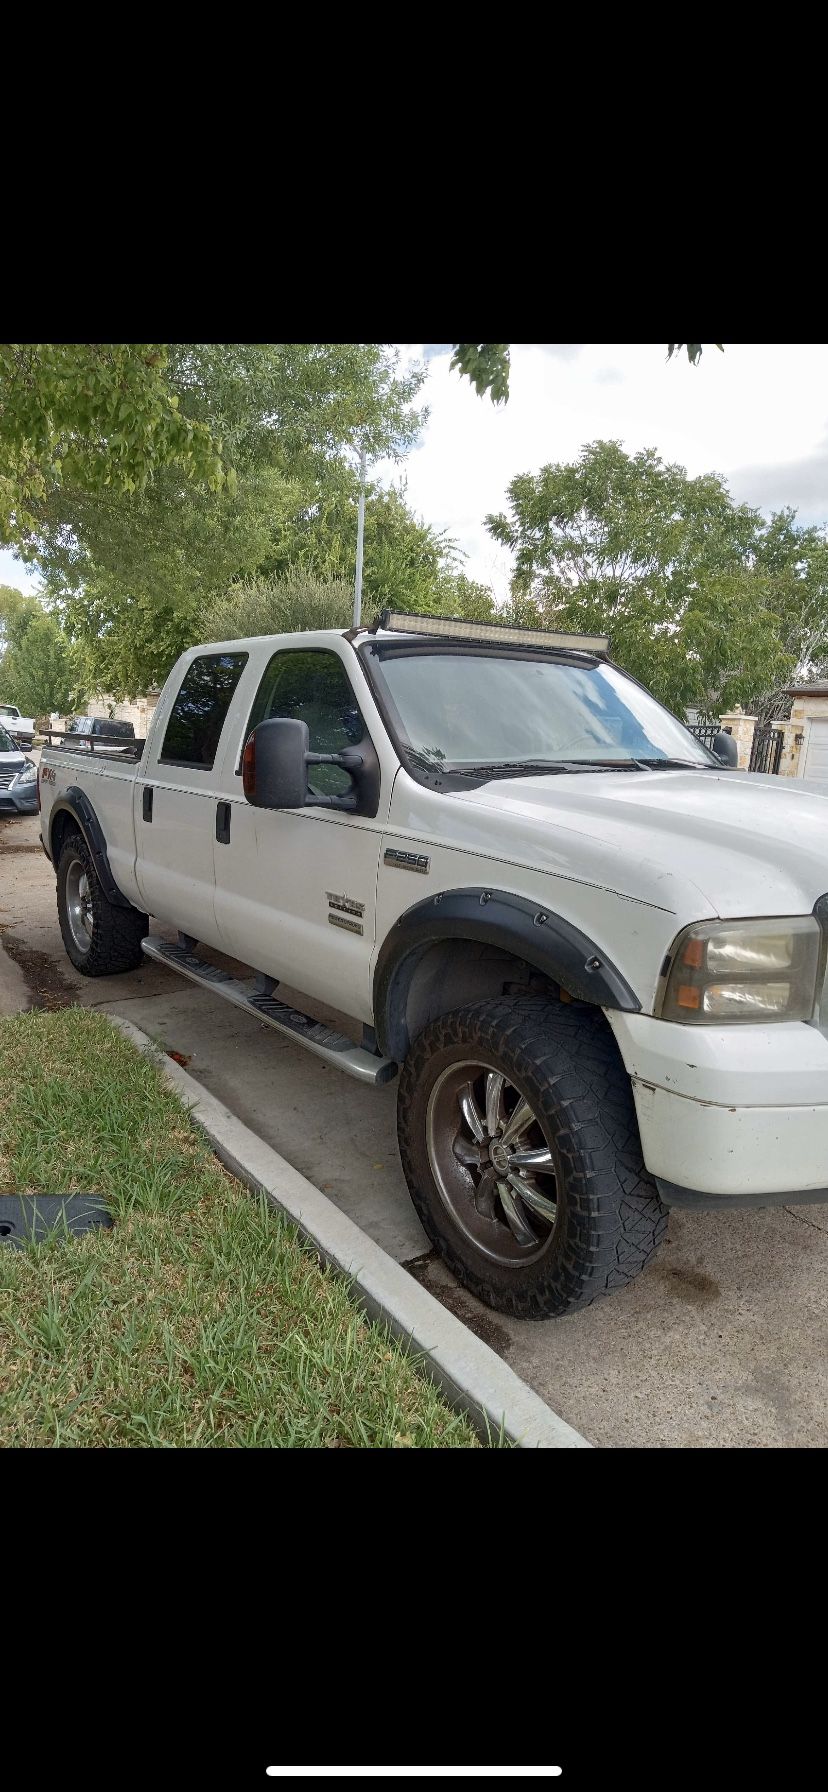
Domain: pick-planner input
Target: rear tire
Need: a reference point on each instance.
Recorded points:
(101, 939)
(541, 1220)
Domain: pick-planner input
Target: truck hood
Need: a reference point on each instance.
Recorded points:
(745, 843)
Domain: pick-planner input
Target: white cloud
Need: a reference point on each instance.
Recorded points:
(757, 415)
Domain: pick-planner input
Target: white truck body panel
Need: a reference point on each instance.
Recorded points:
(21, 728)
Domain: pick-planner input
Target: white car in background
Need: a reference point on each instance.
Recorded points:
(21, 728)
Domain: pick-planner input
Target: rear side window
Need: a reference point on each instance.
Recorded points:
(124, 730)
(200, 709)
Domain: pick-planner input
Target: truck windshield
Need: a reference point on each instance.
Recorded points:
(480, 710)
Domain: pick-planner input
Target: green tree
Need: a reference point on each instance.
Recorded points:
(488, 364)
(405, 559)
(38, 669)
(134, 572)
(293, 601)
(666, 565)
(90, 415)
(14, 606)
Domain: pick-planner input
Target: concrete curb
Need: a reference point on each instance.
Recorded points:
(15, 997)
(471, 1375)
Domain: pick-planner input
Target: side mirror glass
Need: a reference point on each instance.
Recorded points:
(275, 765)
(725, 748)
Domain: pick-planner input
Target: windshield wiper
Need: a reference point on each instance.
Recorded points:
(678, 765)
(507, 768)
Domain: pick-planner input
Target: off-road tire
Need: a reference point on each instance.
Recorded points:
(610, 1218)
(116, 932)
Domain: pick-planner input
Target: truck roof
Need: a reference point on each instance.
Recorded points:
(554, 643)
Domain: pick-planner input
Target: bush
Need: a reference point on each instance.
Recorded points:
(279, 606)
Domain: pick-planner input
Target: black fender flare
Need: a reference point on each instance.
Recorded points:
(545, 940)
(75, 802)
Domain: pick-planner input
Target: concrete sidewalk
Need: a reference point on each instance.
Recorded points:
(721, 1342)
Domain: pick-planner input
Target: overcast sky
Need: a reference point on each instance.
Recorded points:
(757, 415)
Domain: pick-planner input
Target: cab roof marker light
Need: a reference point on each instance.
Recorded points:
(448, 627)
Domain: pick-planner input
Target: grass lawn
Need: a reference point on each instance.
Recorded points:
(199, 1319)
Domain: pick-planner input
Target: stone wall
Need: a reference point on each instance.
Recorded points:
(741, 727)
(139, 712)
(803, 708)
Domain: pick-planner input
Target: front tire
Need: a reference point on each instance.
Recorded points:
(520, 1147)
(101, 939)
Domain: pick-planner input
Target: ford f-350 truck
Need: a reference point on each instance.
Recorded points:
(595, 952)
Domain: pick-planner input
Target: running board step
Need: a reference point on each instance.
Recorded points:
(318, 1038)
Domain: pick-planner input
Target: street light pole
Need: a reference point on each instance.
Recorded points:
(360, 539)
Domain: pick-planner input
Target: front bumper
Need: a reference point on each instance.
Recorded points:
(729, 1116)
(19, 802)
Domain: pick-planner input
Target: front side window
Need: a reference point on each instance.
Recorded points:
(200, 710)
(311, 685)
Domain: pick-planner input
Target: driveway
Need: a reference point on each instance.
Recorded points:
(722, 1341)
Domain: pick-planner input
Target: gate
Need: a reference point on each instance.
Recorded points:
(766, 749)
(705, 732)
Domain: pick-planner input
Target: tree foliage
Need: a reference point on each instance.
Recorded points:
(38, 668)
(298, 599)
(404, 558)
(93, 416)
(293, 601)
(695, 591)
(135, 571)
(488, 364)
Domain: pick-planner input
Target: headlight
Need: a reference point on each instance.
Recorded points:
(28, 775)
(741, 971)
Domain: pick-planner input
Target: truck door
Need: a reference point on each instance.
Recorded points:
(176, 793)
(295, 889)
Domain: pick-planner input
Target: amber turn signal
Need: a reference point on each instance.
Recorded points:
(249, 768)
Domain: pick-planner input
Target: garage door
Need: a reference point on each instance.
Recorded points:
(816, 754)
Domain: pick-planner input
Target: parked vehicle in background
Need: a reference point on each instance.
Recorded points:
(21, 728)
(594, 951)
(18, 779)
(89, 728)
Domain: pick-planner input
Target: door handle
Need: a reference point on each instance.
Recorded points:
(223, 814)
(147, 802)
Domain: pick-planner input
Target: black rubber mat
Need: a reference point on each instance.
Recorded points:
(25, 1218)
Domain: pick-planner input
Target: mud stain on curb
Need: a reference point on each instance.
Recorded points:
(48, 987)
(458, 1303)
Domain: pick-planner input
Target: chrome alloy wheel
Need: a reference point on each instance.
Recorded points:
(491, 1162)
(79, 909)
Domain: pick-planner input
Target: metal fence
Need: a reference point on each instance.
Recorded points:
(706, 732)
(766, 749)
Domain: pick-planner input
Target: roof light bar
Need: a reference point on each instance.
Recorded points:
(453, 630)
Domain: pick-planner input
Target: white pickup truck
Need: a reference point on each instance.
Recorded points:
(594, 951)
(21, 728)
